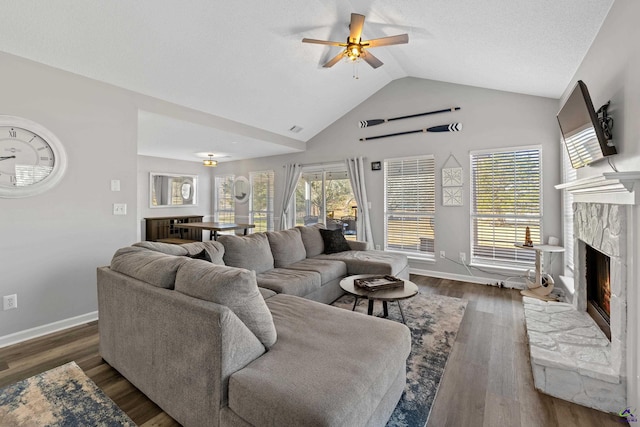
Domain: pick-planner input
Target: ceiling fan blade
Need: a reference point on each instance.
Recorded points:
(387, 41)
(327, 42)
(334, 60)
(357, 22)
(371, 60)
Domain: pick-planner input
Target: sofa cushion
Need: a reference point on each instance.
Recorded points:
(292, 282)
(286, 247)
(156, 268)
(165, 248)
(370, 262)
(232, 287)
(213, 249)
(328, 269)
(334, 241)
(312, 240)
(266, 293)
(366, 356)
(251, 252)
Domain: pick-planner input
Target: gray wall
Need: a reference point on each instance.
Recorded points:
(611, 70)
(51, 244)
(491, 119)
(147, 164)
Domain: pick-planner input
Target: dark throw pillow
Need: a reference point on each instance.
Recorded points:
(334, 241)
(203, 255)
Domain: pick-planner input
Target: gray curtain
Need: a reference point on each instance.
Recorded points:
(355, 169)
(292, 174)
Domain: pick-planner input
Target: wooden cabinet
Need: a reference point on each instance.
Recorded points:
(163, 229)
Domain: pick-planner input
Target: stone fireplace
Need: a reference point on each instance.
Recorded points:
(576, 356)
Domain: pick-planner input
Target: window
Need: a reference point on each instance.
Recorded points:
(224, 208)
(261, 208)
(506, 198)
(325, 196)
(409, 205)
(568, 174)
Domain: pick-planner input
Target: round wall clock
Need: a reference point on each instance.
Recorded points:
(32, 159)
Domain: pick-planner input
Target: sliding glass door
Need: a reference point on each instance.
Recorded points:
(325, 196)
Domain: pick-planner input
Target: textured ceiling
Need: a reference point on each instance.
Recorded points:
(244, 61)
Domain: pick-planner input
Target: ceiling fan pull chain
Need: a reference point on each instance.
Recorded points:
(355, 70)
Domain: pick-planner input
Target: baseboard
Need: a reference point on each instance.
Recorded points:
(39, 331)
(491, 281)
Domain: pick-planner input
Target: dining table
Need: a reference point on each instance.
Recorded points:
(215, 227)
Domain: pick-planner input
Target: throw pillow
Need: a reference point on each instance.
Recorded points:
(334, 241)
(215, 250)
(232, 287)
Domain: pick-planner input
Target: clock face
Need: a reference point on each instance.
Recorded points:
(31, 158)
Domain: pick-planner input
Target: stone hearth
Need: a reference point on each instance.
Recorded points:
(571, 357)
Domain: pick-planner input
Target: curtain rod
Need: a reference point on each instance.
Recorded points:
(327, 164)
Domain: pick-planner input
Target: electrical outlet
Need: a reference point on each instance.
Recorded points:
(442, 254)
(463, 256)
(9, 302)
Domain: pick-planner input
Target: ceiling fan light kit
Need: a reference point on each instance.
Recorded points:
(355, 49)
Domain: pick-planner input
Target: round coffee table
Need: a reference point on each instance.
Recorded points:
(409, 290)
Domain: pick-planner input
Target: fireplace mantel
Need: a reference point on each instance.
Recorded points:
(619, 188)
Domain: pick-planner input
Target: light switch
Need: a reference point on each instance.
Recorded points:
(115, 185)
(119, 208)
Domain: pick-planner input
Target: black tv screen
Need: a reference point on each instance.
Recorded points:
(581, 130)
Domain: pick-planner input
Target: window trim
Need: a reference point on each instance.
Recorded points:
(516, 265)
(216, 206)
(270, 213)
(426, 255)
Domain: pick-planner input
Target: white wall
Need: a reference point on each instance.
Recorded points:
(147, 164)
(491, 119)
(51, 244)
(611, 71)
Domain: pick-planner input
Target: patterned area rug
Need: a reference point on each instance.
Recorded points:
(434, 321)
(63, 396)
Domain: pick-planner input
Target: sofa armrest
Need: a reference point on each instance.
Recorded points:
(163, 341)
(357, 245)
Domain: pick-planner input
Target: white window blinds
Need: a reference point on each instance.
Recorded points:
(224, 208)
(262, 189)
(506, 198)
(410, 205)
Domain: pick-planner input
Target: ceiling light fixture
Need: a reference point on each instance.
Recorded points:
(210, 162)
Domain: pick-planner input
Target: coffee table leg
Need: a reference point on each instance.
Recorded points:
(401, 313)
(370, 309)
(385, 309)
(354, 304)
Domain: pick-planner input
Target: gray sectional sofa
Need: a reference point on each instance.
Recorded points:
(200, 338)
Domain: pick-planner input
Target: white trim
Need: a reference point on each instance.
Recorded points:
(617, 188)
(39, 331)
(489, 281)
(507, 149)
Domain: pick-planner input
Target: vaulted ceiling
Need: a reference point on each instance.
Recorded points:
(244, 62)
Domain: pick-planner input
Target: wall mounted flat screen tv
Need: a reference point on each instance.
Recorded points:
(581, 130)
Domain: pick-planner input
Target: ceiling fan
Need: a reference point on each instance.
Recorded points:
(355, 48)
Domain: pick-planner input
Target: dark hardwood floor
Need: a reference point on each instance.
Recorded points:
(487, 381)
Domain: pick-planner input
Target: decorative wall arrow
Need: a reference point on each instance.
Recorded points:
(375, 122)
(453, 127)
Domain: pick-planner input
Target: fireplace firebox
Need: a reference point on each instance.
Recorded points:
(598, 289)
